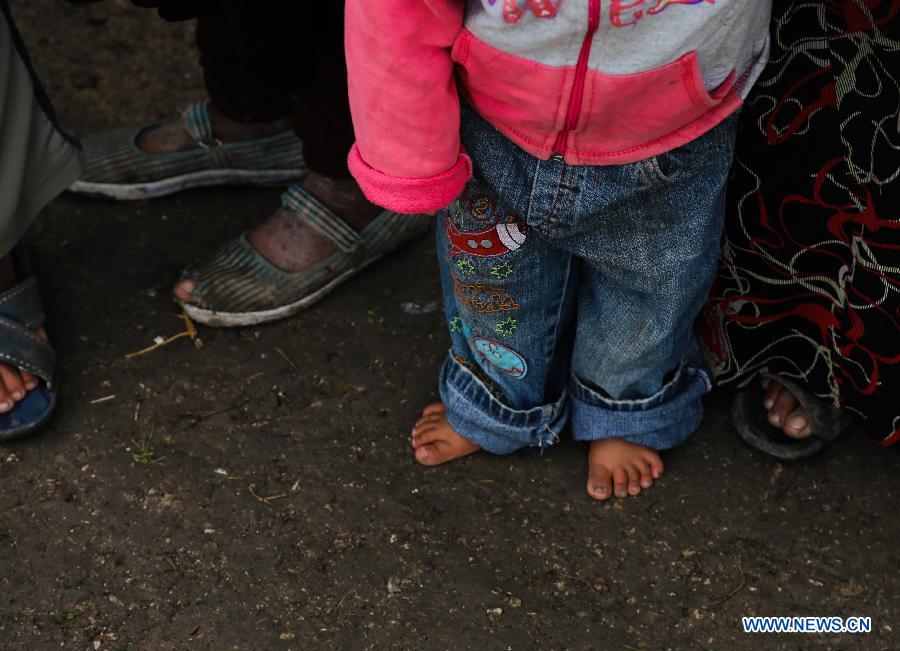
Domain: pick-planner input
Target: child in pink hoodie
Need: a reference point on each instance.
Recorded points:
(577, 152)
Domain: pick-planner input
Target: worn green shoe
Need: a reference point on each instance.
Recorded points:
(239, 287)
(116, 168)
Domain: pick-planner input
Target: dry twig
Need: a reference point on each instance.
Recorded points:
(190, 331)
(267, 499)
(740, 586)
(287, 359)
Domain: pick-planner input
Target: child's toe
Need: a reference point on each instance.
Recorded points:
(634, 480)
(599, 484)
(620, 481)
(656, 464)
(646, 473)
(426, 455)
(435, 408)
(425, 436)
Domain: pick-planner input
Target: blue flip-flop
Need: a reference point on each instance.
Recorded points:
(21, 312)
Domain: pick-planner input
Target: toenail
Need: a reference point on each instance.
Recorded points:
(768, 402)
(600, 489)
(4, 406)
(775, 419)
(798, 422)
(31, 385)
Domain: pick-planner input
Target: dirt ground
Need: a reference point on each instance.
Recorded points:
(259, 493)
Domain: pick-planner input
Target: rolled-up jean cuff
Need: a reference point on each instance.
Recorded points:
(476, 415)
(661, 421)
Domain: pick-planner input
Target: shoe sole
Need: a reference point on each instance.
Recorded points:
(218, 319)
(206, 178)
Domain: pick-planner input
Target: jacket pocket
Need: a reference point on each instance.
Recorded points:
(627, 113)
(517, 95)
(715, 148)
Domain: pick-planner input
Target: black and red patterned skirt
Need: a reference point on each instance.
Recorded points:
(809, 283)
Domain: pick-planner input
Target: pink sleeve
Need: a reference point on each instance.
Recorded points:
(405, 106)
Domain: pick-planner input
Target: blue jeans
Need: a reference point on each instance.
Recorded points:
(570, 292)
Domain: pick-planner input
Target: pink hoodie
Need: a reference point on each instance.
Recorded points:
(597, 82)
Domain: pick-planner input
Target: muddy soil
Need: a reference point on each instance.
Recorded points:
(259, 493)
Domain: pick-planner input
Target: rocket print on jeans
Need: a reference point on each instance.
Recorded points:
(479, 233)
(501, 357)
(491, 242)
(498, 355)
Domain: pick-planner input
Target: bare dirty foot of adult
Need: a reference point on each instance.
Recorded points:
(435, 442)
(785, 412)
(617, 467)
(14, 382)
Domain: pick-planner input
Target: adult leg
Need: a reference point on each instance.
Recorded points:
(312, 80)
(37, 161)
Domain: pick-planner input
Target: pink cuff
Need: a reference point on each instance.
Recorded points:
(410, 195)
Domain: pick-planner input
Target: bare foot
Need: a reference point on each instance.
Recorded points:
(784, 410)
(14, 381)
(434, 440)
(175, 137)
(287, 243)
(621, 468)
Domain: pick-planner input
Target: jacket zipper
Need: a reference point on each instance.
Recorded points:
(577, 96)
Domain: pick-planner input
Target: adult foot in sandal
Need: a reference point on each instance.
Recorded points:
(27, 362)
(785, 411)
(14, 382)
(792, 423)
(288, 243)
(172, 137)
(238, 286)
(204, 149)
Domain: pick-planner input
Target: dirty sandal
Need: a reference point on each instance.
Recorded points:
(751, 421)
(239, 287)
(21, 312)
(117, 168)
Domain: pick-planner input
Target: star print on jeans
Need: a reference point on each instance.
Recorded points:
(465, 266)
(501, 271)
(506, 327)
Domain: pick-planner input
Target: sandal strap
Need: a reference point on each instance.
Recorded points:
(318, 217)
(197, 123)
(22, 304)
(23, 348)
